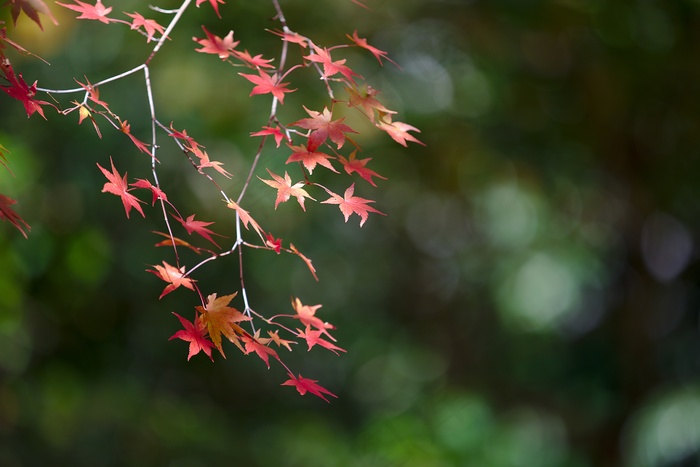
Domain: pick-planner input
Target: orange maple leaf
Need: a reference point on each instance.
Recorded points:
(220, 319)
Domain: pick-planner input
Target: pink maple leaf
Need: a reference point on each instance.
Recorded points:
(97, 11)
(118, 186)
(305, 385)
(350, 204)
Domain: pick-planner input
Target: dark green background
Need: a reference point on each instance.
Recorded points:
(531, 299)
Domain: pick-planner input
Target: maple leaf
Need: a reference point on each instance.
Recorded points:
(214, 5)
(285, 189)
(275, 337)
(308, 262)
(173, 276)
(83, 113)
(245, 217)
(293, 37)
(313, 337)
(310, 158)
(184, 136)
(269, 131)
(149, 25)
(179, 242)
(213, 44)
(31, 8)
(330, 68)
(97, 11)
(399, 132)
(140, 145)
(267, 84)
(365, 99)
(93, 93)
(378, 54)
(305, 385)
(323, 127)
(307, 315)
(8, 214)
(255, 62)
(157, 192)
(220, 319)
(3, 159)
(359, 165)
(194, 333)
(252, 344)
(204, 161)
(350, 204)
(118, 186)
(274, 243)
(199, 227)
(19, 90)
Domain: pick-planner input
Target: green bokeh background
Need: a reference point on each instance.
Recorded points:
(531, 299)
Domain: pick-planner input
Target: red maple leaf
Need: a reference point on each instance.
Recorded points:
(31, 8)
(267, 84)
(199, 227)
(172, 275)
(359, 165)
(285, 189)
(330, 68)
(19, 90)
(118, 186)
(8, 214)
(97, 11)
(213, 44)
(195, 335)
(350, 204)
(323, 127)
(157, 192)
(399, 132)
(313, 337)
(274, 243)
(256, 62)
(379, 54)
(214, 5)
(149, 25)
(269, 131)
(310, 158)
(253, 345)
(305, 385)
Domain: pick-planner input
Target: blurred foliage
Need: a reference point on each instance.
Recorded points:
(531, 299)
